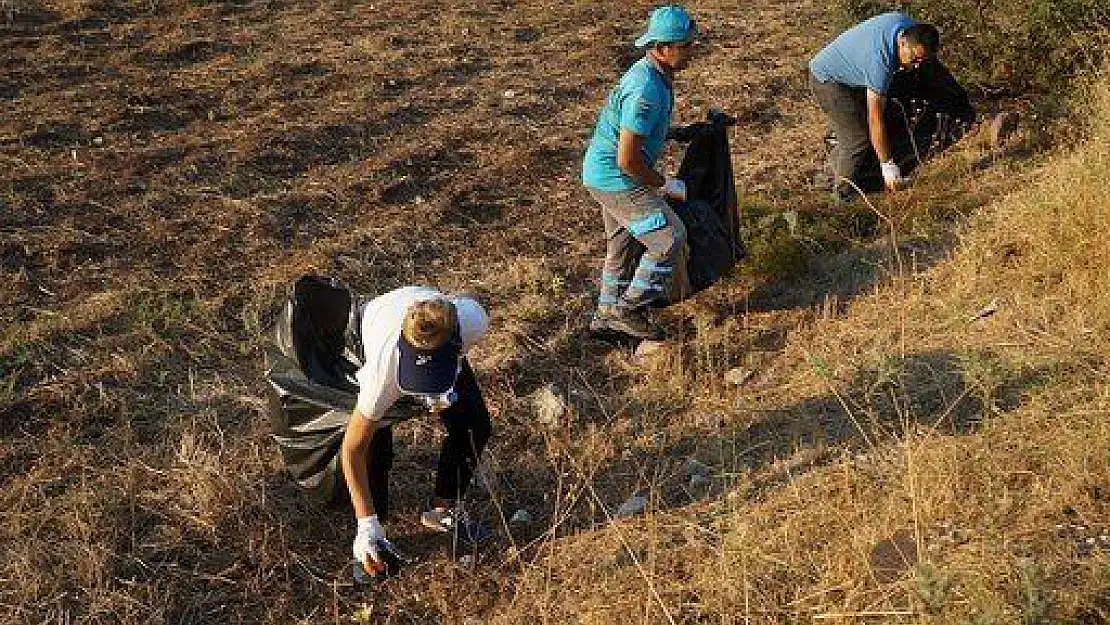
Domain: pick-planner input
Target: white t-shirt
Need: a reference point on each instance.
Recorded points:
(381, 329)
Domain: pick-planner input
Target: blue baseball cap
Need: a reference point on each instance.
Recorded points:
(429, 371)
(669, 24)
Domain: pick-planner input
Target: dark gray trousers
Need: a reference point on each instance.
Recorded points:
(852, 157)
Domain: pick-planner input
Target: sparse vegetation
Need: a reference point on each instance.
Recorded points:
(895, 414)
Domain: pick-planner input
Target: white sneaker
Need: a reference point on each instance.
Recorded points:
(455, 520)
(439, 520)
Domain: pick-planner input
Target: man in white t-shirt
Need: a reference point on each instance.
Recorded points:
(414, 341)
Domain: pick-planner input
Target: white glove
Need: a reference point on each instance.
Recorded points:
(370, 540)
(673, 187)
(892, 175)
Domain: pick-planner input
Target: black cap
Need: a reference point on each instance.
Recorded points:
(428, 371)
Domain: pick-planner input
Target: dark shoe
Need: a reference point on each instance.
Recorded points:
(631, 323)
(600, 330)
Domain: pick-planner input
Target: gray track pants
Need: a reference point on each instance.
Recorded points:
(852, 158)
(643, 239)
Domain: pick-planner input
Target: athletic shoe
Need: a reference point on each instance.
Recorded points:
(630, 323)
(439, 520)
(455, 520)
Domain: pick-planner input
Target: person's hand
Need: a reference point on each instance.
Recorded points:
(892, 175)
(369, 543)
(675, 188)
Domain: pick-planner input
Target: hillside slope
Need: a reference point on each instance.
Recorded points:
(168, 167)
(937, 453)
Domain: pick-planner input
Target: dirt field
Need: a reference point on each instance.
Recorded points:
(167, 167)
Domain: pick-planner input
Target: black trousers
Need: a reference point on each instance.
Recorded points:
(468, 426)
(852, 157)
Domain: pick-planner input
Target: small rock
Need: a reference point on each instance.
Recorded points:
(509, 94)
(635, 505)
(468, 560)
(646, 348)
(548, 406)
(521, 516)
(695, 467)
(699, 479)
(739, 376)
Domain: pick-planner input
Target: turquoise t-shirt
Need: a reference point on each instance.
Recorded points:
(643, 102)
(865, 55)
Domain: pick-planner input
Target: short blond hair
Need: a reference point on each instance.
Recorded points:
(430, 323)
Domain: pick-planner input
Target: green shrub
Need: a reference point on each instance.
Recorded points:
(780, 243)
(1008, 46)
(774, 249)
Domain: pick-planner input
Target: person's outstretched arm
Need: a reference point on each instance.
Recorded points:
(880, 140)
(875, 125)
(355, 455)
(355, 458)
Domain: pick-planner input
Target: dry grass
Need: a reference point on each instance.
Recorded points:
(169, 166)
(937, 453)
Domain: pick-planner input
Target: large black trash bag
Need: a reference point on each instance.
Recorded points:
(710, 212)
(928, 110)
(310, 367)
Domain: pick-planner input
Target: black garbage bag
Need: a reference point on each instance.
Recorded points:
(927, 111)
(310, 366)
(710, 212)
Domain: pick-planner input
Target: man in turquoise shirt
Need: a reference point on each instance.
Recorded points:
(850, 78)
(643, 235)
